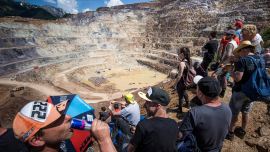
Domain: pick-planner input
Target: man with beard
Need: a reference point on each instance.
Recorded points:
(158, 133)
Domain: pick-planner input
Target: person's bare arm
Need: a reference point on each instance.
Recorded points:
(237, 76)
(101, 133)
(219, 52)
(180, 73)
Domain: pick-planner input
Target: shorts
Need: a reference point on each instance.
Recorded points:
(240, 102)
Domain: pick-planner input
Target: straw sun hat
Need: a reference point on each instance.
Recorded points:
(242, 45)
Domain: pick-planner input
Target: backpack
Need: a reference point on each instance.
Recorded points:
(257, 88)
(187, 77)
(189, 144)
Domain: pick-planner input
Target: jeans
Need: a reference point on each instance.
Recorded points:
(183, 96)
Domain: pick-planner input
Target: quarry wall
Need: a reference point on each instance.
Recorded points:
(121, 34)
(188, 22)
(96, 37)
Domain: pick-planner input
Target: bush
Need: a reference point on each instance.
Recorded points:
(266, 37)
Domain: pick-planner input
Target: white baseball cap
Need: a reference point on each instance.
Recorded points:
(197, 78)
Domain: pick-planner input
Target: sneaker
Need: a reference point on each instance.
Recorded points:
(230, 136)
(240, 132)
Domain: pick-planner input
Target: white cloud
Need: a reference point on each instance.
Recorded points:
(87, 9)
(50, 1)
(111, 3)
(69, 6)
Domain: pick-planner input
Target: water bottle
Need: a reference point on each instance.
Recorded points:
(80, 124)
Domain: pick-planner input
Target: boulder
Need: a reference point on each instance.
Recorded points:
(264, 131)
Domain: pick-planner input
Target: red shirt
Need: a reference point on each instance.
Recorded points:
(224, 42)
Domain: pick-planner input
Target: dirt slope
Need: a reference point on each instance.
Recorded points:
(258, 132)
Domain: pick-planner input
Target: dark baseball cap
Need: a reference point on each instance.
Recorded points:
(209, 86)
(155, 94)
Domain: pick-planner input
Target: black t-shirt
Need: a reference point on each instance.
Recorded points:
(246, 65)
(155, 135)
(104, 115)
(209, 125)
(8, 143)
(211, 46)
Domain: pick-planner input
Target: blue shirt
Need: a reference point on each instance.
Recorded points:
(238, 34)
(131, 113)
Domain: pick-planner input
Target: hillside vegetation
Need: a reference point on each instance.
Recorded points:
(14, 8)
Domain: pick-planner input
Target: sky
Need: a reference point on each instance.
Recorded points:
(76, 6)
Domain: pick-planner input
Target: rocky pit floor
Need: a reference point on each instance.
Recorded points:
(256, 139)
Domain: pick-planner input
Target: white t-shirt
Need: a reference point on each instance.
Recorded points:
(256, 41)
(228, 52)
(233, 42)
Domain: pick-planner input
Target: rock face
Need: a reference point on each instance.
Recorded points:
(120, 32)
(187, 22)
(39, 50)
(95, 37)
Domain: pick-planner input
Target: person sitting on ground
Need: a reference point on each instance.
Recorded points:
(210, 49)
(249, 32)
(8, 143)
(244, 68)
(209, 122)
(158, 133)
(225, 59)
(103, 114)
(117, 106)
(185, 64)
(130, 114)
(40, 125)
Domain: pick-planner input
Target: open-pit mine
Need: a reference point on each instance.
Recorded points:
(102, 54)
